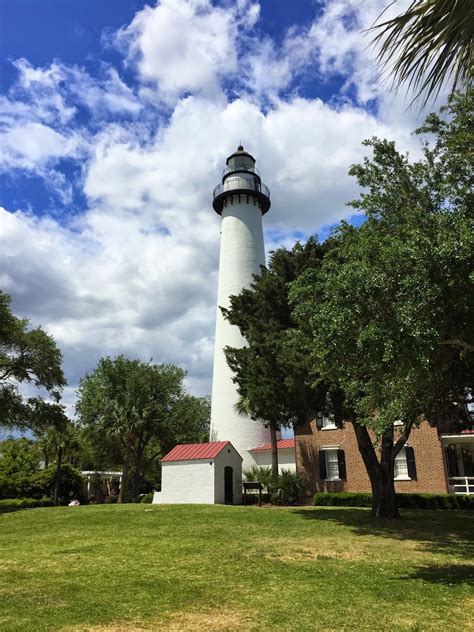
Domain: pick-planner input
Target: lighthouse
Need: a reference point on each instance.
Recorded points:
(241, 199)
(212, 472)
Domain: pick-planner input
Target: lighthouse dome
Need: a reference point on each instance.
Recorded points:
(240, 176)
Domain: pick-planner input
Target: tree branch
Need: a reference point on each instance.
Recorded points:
(455, 342)
(403, 438)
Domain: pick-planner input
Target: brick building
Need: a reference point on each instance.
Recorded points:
(434, 460)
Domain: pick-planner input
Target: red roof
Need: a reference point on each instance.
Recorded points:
(195, 451)
(283, 444)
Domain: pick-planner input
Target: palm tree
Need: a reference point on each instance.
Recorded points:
(427, 46)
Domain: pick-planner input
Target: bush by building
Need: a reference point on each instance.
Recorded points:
(406, 501)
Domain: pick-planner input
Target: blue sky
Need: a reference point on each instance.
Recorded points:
(116, 119)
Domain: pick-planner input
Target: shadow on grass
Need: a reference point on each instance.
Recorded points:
(447, 574)
(449, 533)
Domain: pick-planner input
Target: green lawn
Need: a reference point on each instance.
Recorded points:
(142, 567)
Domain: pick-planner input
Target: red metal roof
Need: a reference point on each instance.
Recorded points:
(195, 451)
(283, 444)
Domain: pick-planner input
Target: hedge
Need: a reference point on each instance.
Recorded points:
(411, 501)
(147, 498)
(14, 504)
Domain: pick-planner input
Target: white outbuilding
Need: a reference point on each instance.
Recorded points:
(201, 473)
(262, 455)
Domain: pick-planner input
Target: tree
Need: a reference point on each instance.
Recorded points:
(140, 405)
(26, 356)
(19, 461)
(390, 314)
(428, 45)
(272, 376)
(56, 440)
(187, 422)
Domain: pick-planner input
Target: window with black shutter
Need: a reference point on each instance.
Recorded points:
(410, 454)
(341, 459)
(322, 465)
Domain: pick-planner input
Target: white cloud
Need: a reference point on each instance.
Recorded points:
(104, 286)
(183, 45)
(34, 144)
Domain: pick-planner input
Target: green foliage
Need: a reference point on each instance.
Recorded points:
(390, 315)
(407, 501)
(20, 476)
(147, 498)
(141, 410)
(14, 504)
(342, 499)
(60, 437)
(287, 489)
(388, 319)
(428, 45)
(284, 491)
(19, 461)
(72, 484)
(29, 356)
(435, 501)
(272, 375)
(259, 474)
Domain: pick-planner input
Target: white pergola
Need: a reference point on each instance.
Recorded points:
(107, 476)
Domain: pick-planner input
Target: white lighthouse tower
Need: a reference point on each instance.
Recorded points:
(241, 199)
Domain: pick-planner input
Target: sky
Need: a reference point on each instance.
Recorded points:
(116, 118)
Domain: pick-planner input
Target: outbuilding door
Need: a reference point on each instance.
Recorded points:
(228, 484)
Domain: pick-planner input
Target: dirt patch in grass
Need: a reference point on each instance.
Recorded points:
(216, 620)
(307, 549)
(110, 627)
(327, 548)
(210, 620)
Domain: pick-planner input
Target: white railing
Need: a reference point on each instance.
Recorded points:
(461, 484)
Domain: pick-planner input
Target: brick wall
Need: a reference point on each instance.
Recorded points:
(310, 440)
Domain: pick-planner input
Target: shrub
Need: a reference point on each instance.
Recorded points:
(287, 489)
(343, 499)
(284, 491)
(19, 461)
(147, 498)
(406, 501)
(72, 484)
(14, 504)
(259, 474)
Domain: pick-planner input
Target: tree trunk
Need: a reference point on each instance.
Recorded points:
(57, 478)
(384, 502)
(137, 480)
(123, 494)
(274, 444)
(139, 471)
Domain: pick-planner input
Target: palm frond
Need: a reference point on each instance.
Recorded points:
(428, 46)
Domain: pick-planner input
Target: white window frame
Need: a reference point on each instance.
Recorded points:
(326, 451)
(401, 456)
(328, 421)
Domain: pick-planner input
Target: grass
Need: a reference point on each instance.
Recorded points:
(142, 567)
